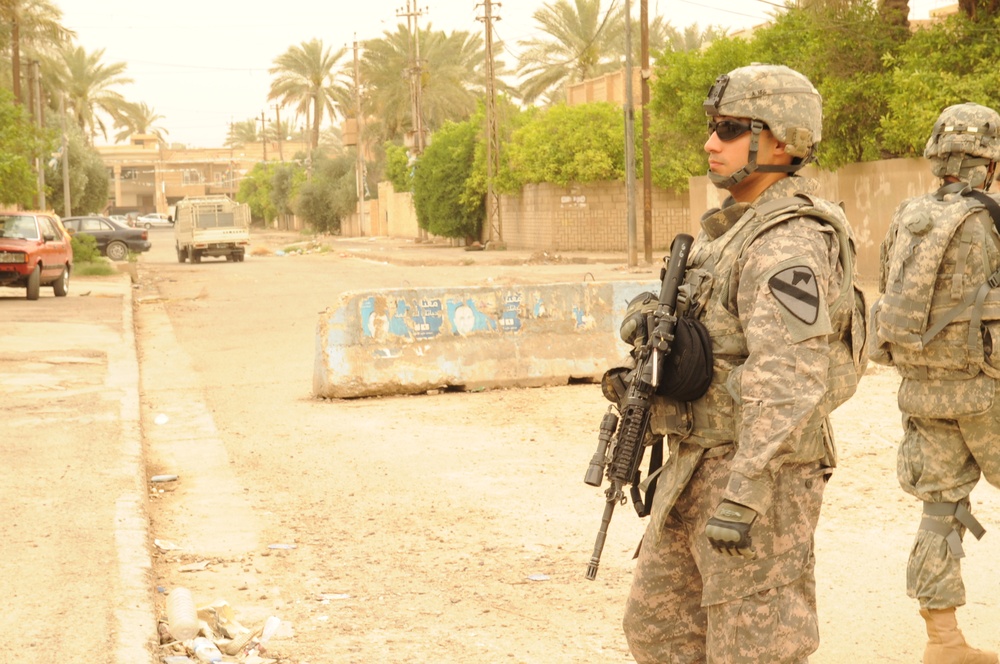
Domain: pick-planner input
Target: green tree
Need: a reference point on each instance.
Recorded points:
(330, 195)
(20, 142)
(286, 180)
(304, 79)
(255, 191)
(443, 203)
(566, 144)
(398, 170)
(949, 63)
(88, 176)
(581, 42)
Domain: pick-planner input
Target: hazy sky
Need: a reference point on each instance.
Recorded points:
(202, 64)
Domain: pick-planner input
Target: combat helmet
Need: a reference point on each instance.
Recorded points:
(775, 97)
(965, 143)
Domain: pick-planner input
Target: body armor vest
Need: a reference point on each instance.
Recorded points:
(713, 272)
(936, 290)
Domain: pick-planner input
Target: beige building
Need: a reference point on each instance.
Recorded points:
(147, 176)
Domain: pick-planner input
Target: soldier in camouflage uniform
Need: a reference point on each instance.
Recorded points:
(937, 321)
(725, 570)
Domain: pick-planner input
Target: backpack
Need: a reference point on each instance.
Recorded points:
(938, 285)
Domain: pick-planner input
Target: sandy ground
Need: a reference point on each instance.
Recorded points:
(448, 527)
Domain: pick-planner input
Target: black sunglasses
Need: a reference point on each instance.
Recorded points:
(728, 130)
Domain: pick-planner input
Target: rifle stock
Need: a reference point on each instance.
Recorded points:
(624, 434)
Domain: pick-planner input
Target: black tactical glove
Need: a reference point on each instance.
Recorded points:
(633, 327)
(728, 531)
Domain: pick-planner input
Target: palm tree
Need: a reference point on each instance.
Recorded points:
(242, 133)
(305, 80)
(452, 78)
(32, 25)
(139, 119)
(88, 85)
(583, 42)
(979, 9)
(895, 12)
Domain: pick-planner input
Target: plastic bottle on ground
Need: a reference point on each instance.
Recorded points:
(182, 616)
(205, 650)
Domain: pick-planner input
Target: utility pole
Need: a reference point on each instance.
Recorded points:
(494, 217)
(277, 120)
(15, 57)
(263, 133)
(39, 164)
(360, 167)
(629, 141)
(647, 176)
(412, 15)
(67, 199)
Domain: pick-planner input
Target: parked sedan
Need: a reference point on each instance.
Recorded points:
(35, 251)
(114, 240)
(154, 219)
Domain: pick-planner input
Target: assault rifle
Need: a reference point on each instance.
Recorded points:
(624, 433)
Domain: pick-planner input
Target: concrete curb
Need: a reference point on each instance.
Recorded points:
(135, 613)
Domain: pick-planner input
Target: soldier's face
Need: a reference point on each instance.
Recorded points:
(728, 148)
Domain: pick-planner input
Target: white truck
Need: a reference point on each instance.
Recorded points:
(211, 226)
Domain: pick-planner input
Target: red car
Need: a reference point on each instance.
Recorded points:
(35, 251)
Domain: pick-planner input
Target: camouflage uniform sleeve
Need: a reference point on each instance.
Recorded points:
(782, 304)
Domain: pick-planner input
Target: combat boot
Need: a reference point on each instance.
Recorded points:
(945, 643)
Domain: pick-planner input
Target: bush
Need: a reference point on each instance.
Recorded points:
(85, 249)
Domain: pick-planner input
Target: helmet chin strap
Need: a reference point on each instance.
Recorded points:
(729, 181)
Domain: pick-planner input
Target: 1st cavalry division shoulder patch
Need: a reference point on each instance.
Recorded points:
(795, 288)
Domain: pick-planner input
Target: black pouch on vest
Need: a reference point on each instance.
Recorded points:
(687, 371)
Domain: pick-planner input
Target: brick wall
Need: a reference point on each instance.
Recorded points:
(591, 217)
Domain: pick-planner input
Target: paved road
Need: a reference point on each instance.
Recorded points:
(77, 570)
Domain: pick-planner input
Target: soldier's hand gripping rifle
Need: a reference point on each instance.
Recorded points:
(625, 433)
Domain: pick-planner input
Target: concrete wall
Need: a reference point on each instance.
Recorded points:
(593, 217)
(409, 341)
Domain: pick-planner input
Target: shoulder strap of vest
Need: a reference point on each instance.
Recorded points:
(991, 205)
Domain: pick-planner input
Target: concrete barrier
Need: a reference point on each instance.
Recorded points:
(409, 341)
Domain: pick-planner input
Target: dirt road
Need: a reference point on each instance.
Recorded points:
(451, 527)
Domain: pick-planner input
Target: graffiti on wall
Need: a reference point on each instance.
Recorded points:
(427, 317)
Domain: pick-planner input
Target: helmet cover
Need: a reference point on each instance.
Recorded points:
(964, 143)
(778, 96)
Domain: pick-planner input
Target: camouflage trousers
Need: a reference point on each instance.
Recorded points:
(690, 604)
(941, 460)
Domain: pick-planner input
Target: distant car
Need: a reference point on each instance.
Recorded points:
(114, 240)
(120, 218)
(35, 251)
(154, 219)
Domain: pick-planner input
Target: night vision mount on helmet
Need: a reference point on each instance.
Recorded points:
(773, 97)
